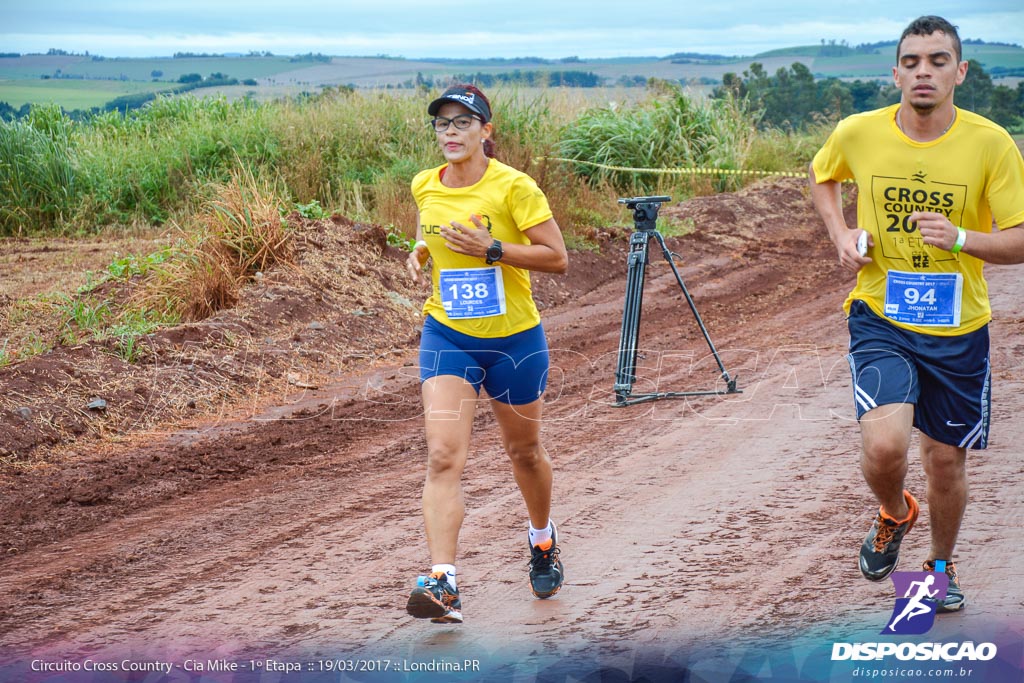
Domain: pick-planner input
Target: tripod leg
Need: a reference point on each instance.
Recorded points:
(625, 372)
(729, 382)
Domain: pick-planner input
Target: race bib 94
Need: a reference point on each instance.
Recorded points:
(925, 299)
(472, 292)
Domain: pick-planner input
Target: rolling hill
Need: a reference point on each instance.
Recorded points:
(83, 81)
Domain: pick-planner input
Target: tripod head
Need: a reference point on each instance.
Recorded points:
(645, 210)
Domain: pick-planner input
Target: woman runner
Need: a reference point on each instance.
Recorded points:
(484, 226)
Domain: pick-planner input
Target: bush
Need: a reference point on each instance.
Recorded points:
(670, 131)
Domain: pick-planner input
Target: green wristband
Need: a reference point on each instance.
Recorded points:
(961, 237)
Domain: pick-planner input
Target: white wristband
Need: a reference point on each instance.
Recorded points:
(961, 237)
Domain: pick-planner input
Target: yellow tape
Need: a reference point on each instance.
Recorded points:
(676, 171)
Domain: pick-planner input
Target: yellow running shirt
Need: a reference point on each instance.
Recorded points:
(508, 202)
(973, 174)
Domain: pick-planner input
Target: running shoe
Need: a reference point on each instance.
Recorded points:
(434, 598)
(954, 599)
(880, 552)
(546, 573)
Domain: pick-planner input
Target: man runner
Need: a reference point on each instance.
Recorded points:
(931, 181)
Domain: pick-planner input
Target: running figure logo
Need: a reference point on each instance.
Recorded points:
(914, 612)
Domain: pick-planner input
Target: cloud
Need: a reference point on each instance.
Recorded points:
(474, 28)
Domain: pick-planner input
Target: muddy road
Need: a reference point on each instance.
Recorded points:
(695, 532)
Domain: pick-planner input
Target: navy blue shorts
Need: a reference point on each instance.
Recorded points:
(512, 369)
(948, 379)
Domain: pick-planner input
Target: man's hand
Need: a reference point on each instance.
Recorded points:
(935, 229)
(849, 254)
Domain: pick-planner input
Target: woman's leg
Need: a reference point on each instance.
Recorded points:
(449, 405)
(531, 466)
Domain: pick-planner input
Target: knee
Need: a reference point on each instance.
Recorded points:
(526, 454)
(885, 455)
(944, 465)
(444, 459)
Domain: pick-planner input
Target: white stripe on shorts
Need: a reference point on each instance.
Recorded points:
(863, 398)
(979, 429)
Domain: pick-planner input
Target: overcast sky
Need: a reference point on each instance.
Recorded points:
(474, 28)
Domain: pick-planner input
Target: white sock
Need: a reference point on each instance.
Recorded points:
(449, 571)
(538, 536)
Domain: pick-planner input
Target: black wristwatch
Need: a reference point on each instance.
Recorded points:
(494, 252)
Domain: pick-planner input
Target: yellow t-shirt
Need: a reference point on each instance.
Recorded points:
(973, 174)
(509, 202)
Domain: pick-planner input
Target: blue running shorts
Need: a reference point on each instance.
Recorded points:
(948, 379)
(512, 369)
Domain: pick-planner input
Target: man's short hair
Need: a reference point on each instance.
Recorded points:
(925, 26)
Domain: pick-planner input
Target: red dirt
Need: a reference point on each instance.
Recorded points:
(288, 524)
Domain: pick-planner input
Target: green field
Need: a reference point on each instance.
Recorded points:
(69, 94)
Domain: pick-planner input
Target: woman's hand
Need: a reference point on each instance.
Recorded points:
(469, 240)
(417, 259)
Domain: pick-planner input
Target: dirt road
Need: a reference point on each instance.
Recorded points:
(699, 536)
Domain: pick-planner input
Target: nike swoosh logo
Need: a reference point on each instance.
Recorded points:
(955, 424)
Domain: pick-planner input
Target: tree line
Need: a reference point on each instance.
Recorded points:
(791, 98)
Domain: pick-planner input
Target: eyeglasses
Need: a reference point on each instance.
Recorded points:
(462, 122)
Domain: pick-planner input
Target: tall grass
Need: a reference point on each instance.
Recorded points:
(355, 152)
(235, 234)
(38, 185)
(158, 160)
(669, 131)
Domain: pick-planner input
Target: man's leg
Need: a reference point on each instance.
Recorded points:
(885, 437)
(946, 469)
(885, 433)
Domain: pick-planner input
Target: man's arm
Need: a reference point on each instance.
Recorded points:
(828, 200)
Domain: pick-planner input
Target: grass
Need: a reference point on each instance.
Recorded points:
(127, 266)
(238, 233)
(355, 152)
(222, 174)
(82, 318)
(30, 326)
(37, 177)
(669, 132)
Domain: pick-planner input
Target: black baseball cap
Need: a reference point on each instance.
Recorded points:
(470, 100)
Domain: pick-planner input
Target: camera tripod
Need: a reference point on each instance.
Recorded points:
(645, 216)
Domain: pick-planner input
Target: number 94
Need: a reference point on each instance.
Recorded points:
(912, 296)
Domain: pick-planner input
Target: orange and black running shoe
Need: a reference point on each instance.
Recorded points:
(546, 572)
(435, 599)
(880, 552)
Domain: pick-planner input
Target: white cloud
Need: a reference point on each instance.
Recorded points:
(475, 28)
